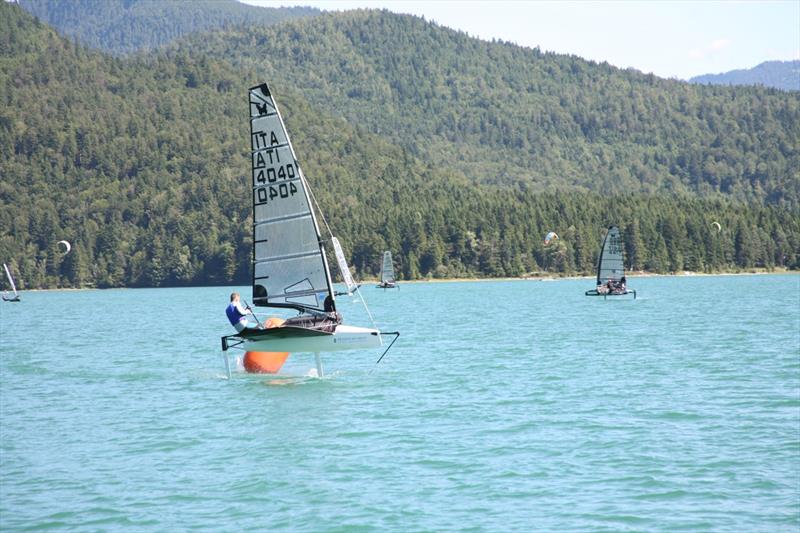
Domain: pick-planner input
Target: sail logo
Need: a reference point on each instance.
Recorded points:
(263, 104)
(345, 340)
(261, 109)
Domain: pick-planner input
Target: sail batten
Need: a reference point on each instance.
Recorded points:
(281, 219)
(282, 181)
(289, 264)
(283, 257)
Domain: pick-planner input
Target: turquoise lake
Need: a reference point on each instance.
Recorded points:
(504, 406)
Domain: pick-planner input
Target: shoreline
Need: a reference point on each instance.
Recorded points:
(631, 275)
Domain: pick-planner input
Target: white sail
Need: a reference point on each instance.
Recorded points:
(343, 268)
(10, 279)
(387, 272)
(610, 266)
(289, 264)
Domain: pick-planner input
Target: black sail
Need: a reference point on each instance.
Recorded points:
(289, 264)
(610, 266)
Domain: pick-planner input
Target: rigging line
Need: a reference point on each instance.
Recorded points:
(366, 308)
(330, 232)
(319, 209)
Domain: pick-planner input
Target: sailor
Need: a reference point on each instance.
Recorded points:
(328, 305)
(237, 315)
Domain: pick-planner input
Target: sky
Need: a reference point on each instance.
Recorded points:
(672, 39)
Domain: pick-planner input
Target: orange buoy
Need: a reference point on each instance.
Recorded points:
(266, 362)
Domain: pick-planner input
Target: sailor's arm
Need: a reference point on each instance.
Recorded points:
(242, 310)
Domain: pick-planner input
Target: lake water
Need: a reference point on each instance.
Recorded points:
(504, 406)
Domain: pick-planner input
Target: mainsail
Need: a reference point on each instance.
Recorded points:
(387, 272)
(289, 264)
(10, 279)
(343, 268)
(610, 265)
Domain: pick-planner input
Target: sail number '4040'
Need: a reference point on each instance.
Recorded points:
(271, 178)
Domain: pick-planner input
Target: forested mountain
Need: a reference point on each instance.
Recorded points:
(783, 75)
(142, 164)
(122, 26)
(505, 114)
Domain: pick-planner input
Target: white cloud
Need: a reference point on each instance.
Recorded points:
(696, 53)
(719, 44)
(715, 46)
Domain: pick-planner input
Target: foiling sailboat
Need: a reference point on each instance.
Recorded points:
(388, 280)
(6, 297)
(610, 269)
(290, 268)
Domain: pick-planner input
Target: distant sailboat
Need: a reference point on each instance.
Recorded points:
(16, 297)
(344, 270)
(290, 269)
(610, 269)
(388, 280)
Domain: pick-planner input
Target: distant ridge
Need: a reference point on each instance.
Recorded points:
(784, 75)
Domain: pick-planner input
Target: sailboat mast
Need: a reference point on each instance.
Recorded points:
(600, 259)
(10, 279)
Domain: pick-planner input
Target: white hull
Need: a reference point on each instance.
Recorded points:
(594, 292)
(345, 338)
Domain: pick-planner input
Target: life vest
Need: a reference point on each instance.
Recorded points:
(234, 315)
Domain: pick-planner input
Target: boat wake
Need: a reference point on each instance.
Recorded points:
(280, 379)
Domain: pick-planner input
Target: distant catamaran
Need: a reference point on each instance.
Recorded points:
(388, 280)
(15, 297)
(290, 269)
(610, 269)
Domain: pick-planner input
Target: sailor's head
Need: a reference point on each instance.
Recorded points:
(234, 296)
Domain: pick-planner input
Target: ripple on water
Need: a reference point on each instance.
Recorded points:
(539, 409)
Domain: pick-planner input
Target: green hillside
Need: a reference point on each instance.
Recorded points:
(498, 113)
(504, 114)
(123, 26)
(142, 164)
